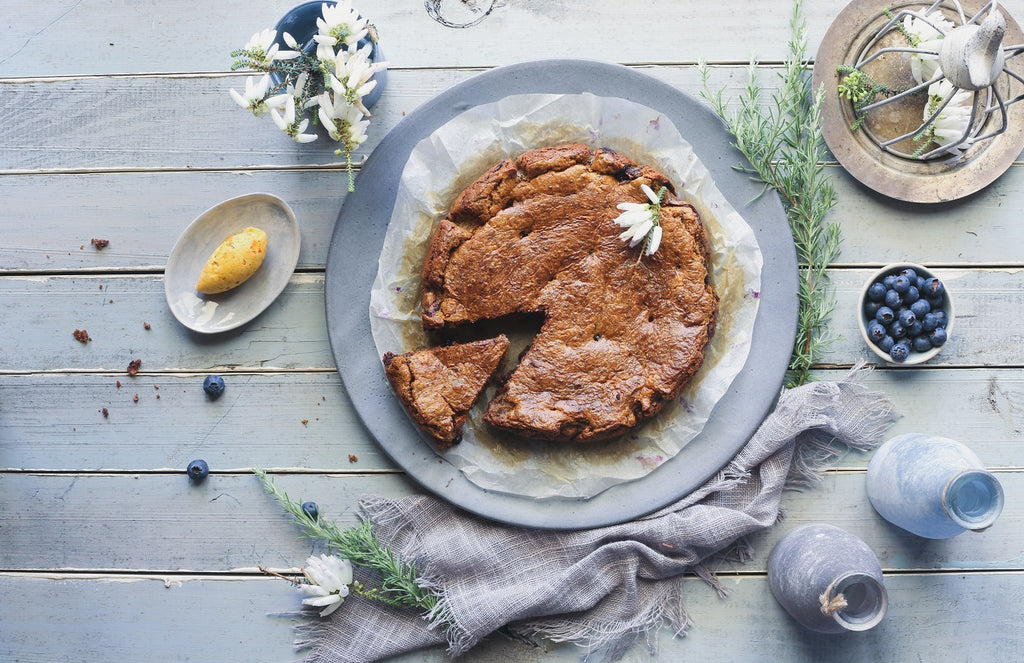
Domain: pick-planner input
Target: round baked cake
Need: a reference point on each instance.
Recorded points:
(622, 334)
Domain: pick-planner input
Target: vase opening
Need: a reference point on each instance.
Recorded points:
(974, 499)
(866, 601)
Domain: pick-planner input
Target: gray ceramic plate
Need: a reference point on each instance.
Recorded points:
(210, 314)
(352, 267)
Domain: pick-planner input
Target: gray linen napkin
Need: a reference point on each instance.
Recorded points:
(599, 588)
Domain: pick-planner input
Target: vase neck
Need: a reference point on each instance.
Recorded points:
(856, 601)
(973, 499)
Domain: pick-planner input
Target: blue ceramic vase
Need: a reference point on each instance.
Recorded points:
(300, 23)
(827, 579)
(932, 486)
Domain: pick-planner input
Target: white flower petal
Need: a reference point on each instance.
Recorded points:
(320, 601)
(653, 197)
(655, 240)
(239, 99)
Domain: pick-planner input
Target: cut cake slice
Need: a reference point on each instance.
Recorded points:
(439, 385)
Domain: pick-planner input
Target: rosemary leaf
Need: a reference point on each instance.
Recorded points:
(359, 545)
(782, 141)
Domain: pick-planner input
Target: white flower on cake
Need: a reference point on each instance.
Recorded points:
(925, 32)
(952, 122)
(642, 221)
(329, 577)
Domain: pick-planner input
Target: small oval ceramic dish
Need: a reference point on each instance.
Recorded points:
(900, 300)
(210, 314)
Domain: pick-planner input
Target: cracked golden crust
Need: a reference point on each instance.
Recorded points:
(620, 338)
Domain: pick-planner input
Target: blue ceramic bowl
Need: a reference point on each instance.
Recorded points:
(300, 23)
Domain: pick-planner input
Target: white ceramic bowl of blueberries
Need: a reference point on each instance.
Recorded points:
(906, 314)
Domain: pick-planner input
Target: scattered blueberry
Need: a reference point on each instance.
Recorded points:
(197, 470)
(885, 315)
(213, 385)
(907, 317)
(876, 292)
(899, 352)
(311, 510)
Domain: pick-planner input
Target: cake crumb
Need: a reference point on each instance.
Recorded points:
(100, 244)
(105, 413)
(133, 366)
(145, 325)
(352, 458)
(81, 336)
(305, 422)
(118, 383)
(135, 398)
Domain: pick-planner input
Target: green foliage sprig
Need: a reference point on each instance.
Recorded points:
(785, 149)
(360, 546)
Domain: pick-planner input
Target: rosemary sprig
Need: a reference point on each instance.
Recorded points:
(785, 149)
(360, 546)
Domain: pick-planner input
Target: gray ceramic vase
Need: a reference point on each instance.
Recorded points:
(827, 579)
(933, 487)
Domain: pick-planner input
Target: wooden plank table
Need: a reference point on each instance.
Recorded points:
(118, 125)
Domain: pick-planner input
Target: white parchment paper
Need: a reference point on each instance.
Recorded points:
(455, 155)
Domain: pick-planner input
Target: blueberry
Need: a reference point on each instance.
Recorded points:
(885, 315)
(910, 274)
(197, 470)
(896, 330)
(899, 352)
(886, 343)
(876, 292)
(901, 284)
(871, 308)
(893, 299)
(876, 332)
(213, 385)
(937, 336)
(889, 280)
(919, 283)
(311, 510)
(933, 288)
(920, 308)
(941, 319)
(907, 317)
(922, 344)
(915, 330)
(929, 322)
(911, 295)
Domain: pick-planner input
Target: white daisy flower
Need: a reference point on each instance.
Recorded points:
(329, 577)
(952, 122)
(926, 32)
(254, 97)
(286, 121)
(340, 25)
